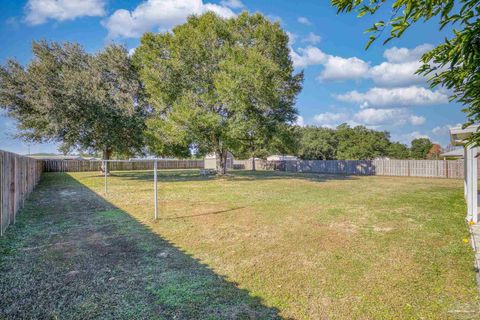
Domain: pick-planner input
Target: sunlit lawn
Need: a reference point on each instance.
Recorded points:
(317, 246)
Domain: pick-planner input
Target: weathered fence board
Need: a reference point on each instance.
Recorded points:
(402, 168)
(260, 164)
(88, 165)
(18, 177)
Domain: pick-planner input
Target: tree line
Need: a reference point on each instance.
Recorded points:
(358, 143)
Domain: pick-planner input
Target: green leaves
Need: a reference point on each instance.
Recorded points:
(86, 102)
(222, 84)
(420, 148)
(346, 142)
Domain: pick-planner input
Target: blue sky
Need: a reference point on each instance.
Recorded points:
(343, 81)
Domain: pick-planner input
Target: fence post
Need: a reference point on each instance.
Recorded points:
(155, 197)
(105, 170)
(446, 168)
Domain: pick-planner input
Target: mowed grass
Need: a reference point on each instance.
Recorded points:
(258, 245)
(317, 246)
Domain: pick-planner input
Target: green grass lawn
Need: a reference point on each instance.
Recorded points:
(252, 245)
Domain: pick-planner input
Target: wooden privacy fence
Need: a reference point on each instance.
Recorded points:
(402, 168)
(259, 165)
(18, 177)
(95, 165)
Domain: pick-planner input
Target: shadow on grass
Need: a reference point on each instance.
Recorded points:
(204, 214)
(73, 255)
(234, 175)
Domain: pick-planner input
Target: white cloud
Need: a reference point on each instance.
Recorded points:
(418, 135)
(234, 4)
(338, 68)
(407, 138)
(416, 120)
(369, 117)
(397, 117)
(39, 11)
(222, 11)
(158, 14)
(401, 55)
(389, 74)
(444, 130)
(312, 38)
(304, 20)
(330, 119)
(399, 69)
(292, 37)
(308, 56)
(394, 97)
(441, 130)
(300, 121)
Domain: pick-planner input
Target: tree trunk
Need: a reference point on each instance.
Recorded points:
(221, 158)
(253, 163)
(106, 154)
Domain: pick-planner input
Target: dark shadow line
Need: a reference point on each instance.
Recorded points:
(204, 214)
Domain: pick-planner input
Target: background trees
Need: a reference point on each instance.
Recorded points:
(420, 148)
(317, 143)
(344, 142)
(434, 152)
(86, 102)
(358, 143)
(397, 150)
(361, 143)
(219, 85)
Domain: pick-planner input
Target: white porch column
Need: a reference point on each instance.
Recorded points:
(472, 184)
(465, 178)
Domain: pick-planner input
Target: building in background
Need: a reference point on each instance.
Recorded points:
(277, 157)
(211, 161)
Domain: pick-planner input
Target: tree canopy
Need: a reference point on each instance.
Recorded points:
(355, 143)
(420, 148)
(317, 143)
(455, 63)
(86, 102)
(219, 85)
(397, 150)
(361, 143)
(434, 152)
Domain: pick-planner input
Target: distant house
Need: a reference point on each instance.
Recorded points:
(453, 154)
(277, 157)
(211, 161)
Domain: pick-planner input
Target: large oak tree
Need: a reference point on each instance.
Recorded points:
(219, 85)
(87, 102)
